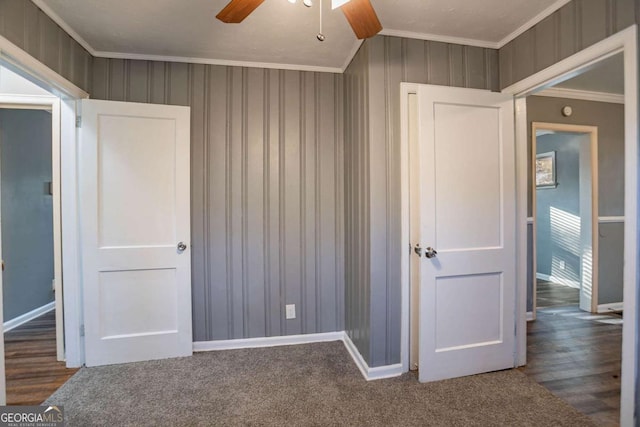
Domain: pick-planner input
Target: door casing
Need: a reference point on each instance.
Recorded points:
(592, 132)
(624, 41)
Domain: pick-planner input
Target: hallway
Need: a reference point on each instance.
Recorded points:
(577, 356)
(33, 373)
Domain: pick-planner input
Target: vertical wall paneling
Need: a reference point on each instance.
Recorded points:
(357, 301)
(372, 165)
(266, 181)
(575, 26)
(25, 25)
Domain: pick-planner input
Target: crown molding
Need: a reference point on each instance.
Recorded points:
(386, 32)
(439, 38)
(270, 65)
(584, 95)
(66, 27)
(532, 22)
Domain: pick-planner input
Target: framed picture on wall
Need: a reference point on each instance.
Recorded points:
(546, 170)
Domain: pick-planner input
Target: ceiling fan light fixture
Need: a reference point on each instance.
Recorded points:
(307, 3)
(337, 3)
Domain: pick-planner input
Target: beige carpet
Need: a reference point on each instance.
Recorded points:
(315, 384)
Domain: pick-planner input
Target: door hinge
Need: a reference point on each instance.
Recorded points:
(78, 121)
(81, 330)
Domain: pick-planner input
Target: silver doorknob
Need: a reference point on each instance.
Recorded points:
(430, 252)
(182, 247)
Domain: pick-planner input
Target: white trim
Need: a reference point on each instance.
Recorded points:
(51, 104)
(27, 101)
(66, 27)
(24, 318)
(25, 64)
(210, 61)
(530, 316)
(386, 32)
(440, 38)
(369, 374)
(522, 236)
(589, 285)
(532, 22)
(573, 65)
(57, 227)
(610, 219)
(584, 95)
(139, 56)
(629, 374)
(405, 90)
(559, 280)
(266, 341)
(623, 41)
(608, 308)
(71, 253)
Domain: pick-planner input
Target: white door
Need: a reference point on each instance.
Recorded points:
(135, 208)
(467, 292)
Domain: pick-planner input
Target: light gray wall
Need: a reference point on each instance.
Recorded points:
(565, 197)
(373, 97)
(27, 210)
(609, 118)
(267, 200)
(357, 215)
(26, 26)
(573, 27)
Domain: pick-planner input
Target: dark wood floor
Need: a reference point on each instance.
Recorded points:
(577, 356)
(551, 294)
(33, 373)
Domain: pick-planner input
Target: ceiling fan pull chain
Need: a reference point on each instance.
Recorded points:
(320, 36)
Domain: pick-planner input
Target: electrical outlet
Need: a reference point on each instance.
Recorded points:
(290, 311)
(563, 265)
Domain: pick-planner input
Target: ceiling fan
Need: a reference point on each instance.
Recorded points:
(359, 13)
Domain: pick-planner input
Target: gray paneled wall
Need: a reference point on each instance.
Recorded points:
(373, 97)
(573, 27)
(357, 184)
(25, 25)
(609, 118)
(267, 191)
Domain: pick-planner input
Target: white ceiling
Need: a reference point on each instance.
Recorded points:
(279, 33)
(606, 76)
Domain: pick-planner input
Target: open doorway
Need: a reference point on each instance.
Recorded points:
(31, 240)
(576, 233)
(565, 211)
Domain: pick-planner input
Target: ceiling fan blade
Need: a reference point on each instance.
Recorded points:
(237, 10)
(362, 18)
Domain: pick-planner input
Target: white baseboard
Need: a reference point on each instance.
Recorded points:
(21, 320)
(368, 373)
(559, 280)
(266, 341)
(530, 316)
(607, 308)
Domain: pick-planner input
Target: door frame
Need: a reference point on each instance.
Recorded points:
(25, 65)
(52, 104)
(624, 41)
(592, 131)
